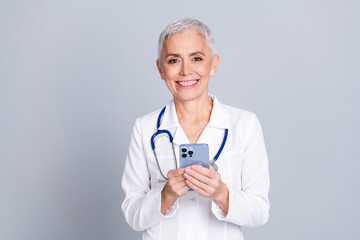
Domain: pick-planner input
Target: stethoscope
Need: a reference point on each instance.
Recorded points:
(158, 132)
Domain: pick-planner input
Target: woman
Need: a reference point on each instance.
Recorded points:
(158, 199)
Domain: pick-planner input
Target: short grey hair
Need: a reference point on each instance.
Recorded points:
(183, 24)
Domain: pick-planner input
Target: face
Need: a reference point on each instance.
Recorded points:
(186, 65)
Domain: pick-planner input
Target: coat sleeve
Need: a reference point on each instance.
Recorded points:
(142, 204)
(249, 204)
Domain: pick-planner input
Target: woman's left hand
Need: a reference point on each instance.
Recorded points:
(207, 182)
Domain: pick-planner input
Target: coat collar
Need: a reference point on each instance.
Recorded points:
(219, 117)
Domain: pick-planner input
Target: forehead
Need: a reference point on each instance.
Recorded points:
(185, 41)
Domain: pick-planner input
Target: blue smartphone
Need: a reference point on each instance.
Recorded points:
(194, 154)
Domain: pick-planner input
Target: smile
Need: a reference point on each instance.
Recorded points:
(187, 83)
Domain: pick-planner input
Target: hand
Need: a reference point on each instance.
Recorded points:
(207, 182)
(174, 188)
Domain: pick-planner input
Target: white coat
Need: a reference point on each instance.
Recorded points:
(243, 166)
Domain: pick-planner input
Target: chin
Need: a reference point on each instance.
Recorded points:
(188, 96)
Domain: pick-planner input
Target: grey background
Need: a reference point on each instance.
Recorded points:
(75, 74)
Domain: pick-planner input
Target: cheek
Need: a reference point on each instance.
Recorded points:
(170, 73)
(206, 70)
(170, 84)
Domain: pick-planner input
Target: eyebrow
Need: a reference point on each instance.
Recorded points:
(172, 55)
(178, 55)
(196, 53)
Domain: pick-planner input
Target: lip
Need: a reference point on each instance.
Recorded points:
(196, 81)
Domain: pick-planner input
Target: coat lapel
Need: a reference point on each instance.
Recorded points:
(170, 122)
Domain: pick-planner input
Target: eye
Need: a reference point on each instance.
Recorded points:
(172, 61)
(196, 59)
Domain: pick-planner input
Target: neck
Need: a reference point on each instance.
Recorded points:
(195, 110)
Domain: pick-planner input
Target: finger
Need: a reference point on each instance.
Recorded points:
(209, 172)
(181, 188)
(199, 176)
(180, 171)
(171, 173)
(176, 172)
(177, 180)
(177, 189)
(197, 189)
(196, 182)
(186, 187)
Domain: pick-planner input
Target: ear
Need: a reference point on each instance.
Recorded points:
(214, 64)
(158, 65)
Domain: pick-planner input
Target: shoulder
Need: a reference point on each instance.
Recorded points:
(235, 116)
(149, 117)
(144, 127)
(245, 124)
(238, 113)
(148, 124)
(148, 121)
(241, 117)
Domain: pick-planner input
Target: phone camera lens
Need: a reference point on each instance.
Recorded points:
(184, 155)
(191, 152)
(183, 150)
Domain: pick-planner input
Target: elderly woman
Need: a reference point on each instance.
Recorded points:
(194, 202)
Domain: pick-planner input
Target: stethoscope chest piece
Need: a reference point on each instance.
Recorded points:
(214, 165)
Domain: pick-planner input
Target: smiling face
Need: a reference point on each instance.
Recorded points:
(186, 65)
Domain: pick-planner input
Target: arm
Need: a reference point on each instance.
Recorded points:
(141, 205)
(249, 206)
(144, 206)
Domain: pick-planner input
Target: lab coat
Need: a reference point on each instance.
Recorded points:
(243, 166)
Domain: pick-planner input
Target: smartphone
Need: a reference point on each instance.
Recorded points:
(194, 154)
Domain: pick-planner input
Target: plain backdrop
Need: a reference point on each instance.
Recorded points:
(74, 75)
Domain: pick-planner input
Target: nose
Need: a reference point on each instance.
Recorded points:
(185, 68)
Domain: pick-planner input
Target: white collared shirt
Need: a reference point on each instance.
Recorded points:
(243, 166)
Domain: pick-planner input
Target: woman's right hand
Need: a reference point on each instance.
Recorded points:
(173, 189)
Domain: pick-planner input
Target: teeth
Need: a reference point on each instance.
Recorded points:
(187, 83)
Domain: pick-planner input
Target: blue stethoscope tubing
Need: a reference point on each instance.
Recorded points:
(162, 131)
